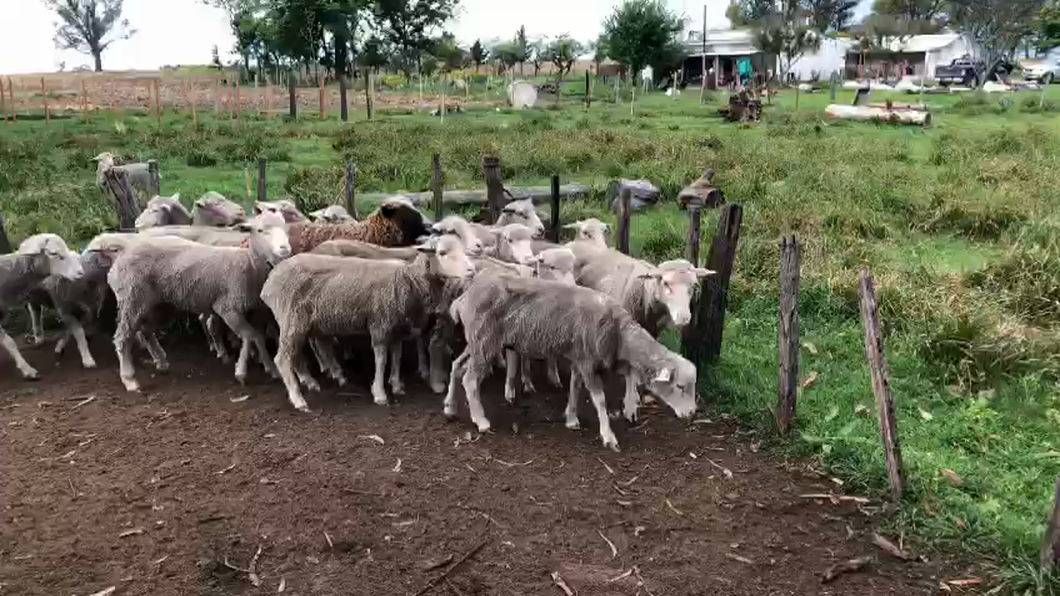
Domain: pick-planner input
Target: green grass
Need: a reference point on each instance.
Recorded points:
(956, 222)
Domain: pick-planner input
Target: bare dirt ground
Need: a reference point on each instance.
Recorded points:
(175, 490)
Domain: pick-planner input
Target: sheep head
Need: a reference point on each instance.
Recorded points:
(457, 226)
(213, 209)
(675, 283)
(57, 256)
(448, 255)
(163, 211)
(522, 212)
(268, 236)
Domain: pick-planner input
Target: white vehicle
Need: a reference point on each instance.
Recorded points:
(1045, 69)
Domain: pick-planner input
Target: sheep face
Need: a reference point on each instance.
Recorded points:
(268, 235)
(556, 264)
(163, 211)
(213, 209)
(401, 213)
(676, 386)
(449, 255)
(60, 261)
(517, 237)
(675, 282)
(459, 227)
(332, 214)
(523, 212)
(591, 230)
(283, 207)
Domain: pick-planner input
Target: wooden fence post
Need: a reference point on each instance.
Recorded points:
(344, 110)
(323, 109)
(588, 92)
(155, 180)
(5, 244)
(881, 384)
(263, 166)
(44, 96)
(790, 265)
(231, 101)
(796, 98)
(217, 96)
(714, 294)
(624, 214)
(239, 98)
(1050, 540)
(491, 167)
(369, 92)
(554, 222)
(689, 339)
(11, 96)
(128, 208)
(194, 92)
(3, 99)
(84, 99)
(293, 98)
(437, 185)
(351, 188)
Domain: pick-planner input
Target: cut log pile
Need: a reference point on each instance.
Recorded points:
(744, 106)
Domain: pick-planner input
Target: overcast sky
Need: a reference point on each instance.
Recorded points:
(184, 31)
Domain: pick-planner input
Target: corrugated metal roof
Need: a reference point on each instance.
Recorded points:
(923, 43)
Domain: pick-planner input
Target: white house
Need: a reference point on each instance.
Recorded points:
(830, 57)
(920, 54)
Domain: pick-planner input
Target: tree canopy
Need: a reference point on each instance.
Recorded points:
(89, 26)
(641, 33)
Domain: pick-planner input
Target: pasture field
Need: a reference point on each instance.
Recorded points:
(958, 223)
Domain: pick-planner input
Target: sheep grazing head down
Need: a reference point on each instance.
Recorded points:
(676, 281)
(163, 211)
(675, 385)
(213, 209)
(448, 254)
(522, 212)
(517, 239)
(56, 256)
(457, 226)
(591, 230)
(268, 235)
(284, 207)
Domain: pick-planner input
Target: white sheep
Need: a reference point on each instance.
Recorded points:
(163, 211)
(225, 281)
(37, 257)
(323, 295)
(332, 214)
(214, 209)
(138, 174)
(284, 207)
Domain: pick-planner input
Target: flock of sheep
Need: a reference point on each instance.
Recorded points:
(494, 295)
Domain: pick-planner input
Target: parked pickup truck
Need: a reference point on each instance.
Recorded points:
(967, 72)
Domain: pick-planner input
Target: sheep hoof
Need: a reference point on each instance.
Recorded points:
(425, 375)
(304, 410)
(380, 399)
(449, 415)
(397, 389)
(574, 424)
(438, 387)
(89, 364)
(312, 385)
(31, 375)
(242, 380)
(612, 444)
(131, 385)
(483, 427)
(631, 416)
(162, 367)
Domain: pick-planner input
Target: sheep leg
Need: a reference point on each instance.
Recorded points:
(474, 372)
(525, 365)
(304, 377)
(129, 317)
(423, 359)
(512, 363)
(437, 357)
(396, 386)
(73, 327)
(214, 333)
(596, 393)
(572, 401)
(458, 371)
(286, 354)
(325, 355)
(379, 350)
(28, 372)
(37, 330)
(553, 373)
(631, 401)
(158, 356)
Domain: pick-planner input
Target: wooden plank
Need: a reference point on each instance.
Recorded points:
(11, 96)
(369, 92)
(263, 167)
(555, 222)
(158, 102)
(323, 108)
(714, 295)
(293, 98)
(881, 384)
(437, 186)
(588, 92)
(84, 99)
(345, 108)
(540, 195)
(128, 208)
(1050, 552)
(155, 180)
(44, 97)
(790, 264)
(624, 214)
(351, 188)
(5, 244)
(491, 168)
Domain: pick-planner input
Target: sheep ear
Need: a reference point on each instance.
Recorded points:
(700, 272)
(176, 196)
(243, 227)
(427, 249)
(650, 275)
(664, 376)
(572, 226)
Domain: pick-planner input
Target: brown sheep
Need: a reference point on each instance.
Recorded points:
(395, 223)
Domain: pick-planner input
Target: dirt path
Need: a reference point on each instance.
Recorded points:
(153, 493)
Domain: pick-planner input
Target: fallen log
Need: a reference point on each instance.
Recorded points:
(539, 194)
(878, 114)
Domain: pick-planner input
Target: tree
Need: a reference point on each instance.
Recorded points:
(507, 56)
(640, 33)
(1047, 27)
(479, 54)
(997, 25)
(829, 16)
(215, 58)
(924, 11)
(89, 26)
(522, 48)
(563, 53)
(780, 29)
(600, 52)
(407, 24)
(449, 54)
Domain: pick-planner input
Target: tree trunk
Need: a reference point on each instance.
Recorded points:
(98, 56)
